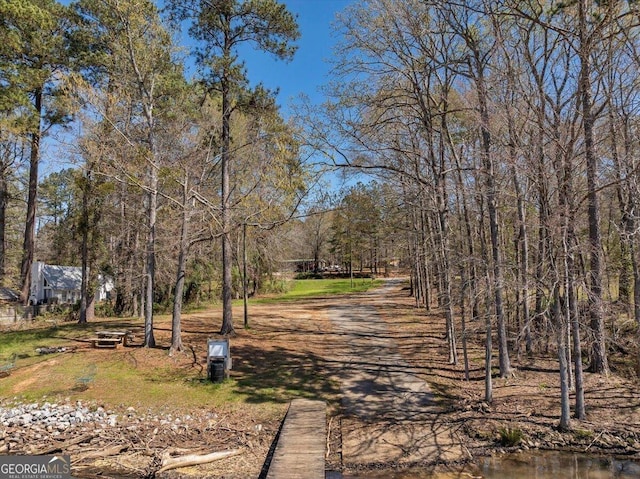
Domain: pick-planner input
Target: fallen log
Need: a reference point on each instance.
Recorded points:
(64, 445)
(109, 451)
(195, 459)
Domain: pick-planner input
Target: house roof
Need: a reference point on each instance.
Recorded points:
(8, 294)
(63, 277)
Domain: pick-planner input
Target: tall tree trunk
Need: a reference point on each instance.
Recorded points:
(28, 248)
(424, 255)
(561, 335)
(4, 203)
(176, 330)
(522, 248)
(488, 345)
(599, 361)
(523, 238)
(245, 279)
(471, 250)
(84, 248)
(439, 169)
(152, 198)
(149, 339)
(469, 282)
(463, 318)
(569, 242)
(492, 209)
(445, 293)
(543, 217)
(488, 358)
(580, 411)
(227, 259)
(89, 227)
(540, 258)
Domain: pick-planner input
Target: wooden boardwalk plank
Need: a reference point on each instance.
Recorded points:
(300, 450)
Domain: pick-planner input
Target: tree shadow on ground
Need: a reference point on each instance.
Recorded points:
(277, 374)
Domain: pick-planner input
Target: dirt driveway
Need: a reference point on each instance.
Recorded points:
(389, 414)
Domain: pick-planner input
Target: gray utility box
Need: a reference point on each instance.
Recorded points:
(218, 359)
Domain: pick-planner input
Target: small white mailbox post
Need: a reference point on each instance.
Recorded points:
(218, 359)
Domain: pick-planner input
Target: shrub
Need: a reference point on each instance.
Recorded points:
(105, 309)
(273, 285)
(583, 434)
(309, 275)
(510, 437)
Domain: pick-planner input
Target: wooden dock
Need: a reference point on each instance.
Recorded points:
(300, 450)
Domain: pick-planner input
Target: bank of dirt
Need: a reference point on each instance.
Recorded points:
(437, 421)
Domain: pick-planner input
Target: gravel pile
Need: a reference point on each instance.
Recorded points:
(54, 418)
(125, 441)
(25, 428)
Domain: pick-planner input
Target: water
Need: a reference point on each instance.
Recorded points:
(556, 465)
(525, 465)
(534, 465)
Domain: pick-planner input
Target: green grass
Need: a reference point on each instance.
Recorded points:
(139, 377)
(583, 434)
(315, 288)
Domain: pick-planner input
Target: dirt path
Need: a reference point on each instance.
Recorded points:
(389, 412)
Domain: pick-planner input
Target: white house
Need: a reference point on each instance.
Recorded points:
(61, 284)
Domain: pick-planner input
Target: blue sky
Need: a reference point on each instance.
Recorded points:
(304, 75)
(309, 69)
